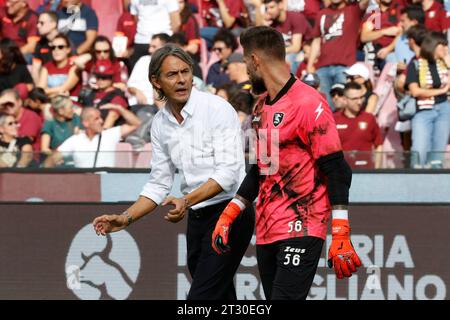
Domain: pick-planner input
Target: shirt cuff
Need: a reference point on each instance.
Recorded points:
(225, 180)
(156, 196)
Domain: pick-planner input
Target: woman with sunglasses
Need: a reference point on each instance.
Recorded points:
(13, 68)
(60, 76)
(100, 51)
(14, 151)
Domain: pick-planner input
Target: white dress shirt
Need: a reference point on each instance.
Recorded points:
(206, 145)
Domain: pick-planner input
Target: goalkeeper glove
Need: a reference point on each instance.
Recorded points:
(223, 227)
(341, 254)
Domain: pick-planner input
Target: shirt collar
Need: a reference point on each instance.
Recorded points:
(188, 109)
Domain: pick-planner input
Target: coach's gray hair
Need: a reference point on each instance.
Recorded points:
(158, 58)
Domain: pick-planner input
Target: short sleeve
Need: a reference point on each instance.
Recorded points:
(412, 76)
(48, 127)
(114, 133)
(235, 7)
(91, 20)
(32, 30)
(299, 23)
(172, 5)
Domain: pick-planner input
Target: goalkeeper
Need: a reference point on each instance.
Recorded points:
(301, 181)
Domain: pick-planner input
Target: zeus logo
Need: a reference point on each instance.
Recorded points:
(319, 111)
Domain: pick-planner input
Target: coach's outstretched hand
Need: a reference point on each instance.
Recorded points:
(341, 254)
(109, 223)
(223, 226)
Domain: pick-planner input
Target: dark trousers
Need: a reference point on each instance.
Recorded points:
(212, 274)
(287, 267)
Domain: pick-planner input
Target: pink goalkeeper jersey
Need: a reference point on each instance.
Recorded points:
(292, 199)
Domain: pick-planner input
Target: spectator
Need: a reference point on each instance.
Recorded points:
(217, 14)
(29, 122)
(312, 80)
(80, 23)
(146, 114)
(380, 29)
(100, 51)
(335, 42)
(64, 125)
(242, 99)
(410, 16)
(13, 68)
(19, 23)
(60, 76)
(337, 95)
(38, 102)
(48, 30)
(14, 151)
(95, 146)
(309, 8)
(226, 91)
(435, 15)
(358, 130)
(48, 5)
(138, 84)
(106, 94)
(415, 36)
(360, 74)
(153, 17)
(126, 26)
(428, 83)
(190, 29)
(292, 25)
(225, 44)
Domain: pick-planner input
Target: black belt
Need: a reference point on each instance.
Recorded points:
(208, 210)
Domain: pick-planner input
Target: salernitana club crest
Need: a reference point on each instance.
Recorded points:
(277, 118)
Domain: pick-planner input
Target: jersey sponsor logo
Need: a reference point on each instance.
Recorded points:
(331, 26)
(362, 125)
(319, 111)
(431, 14)
(341, 126)
(278, 118)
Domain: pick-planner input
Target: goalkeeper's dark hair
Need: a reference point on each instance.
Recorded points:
(264, 39)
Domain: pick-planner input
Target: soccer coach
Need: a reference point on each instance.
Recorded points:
(198, 134)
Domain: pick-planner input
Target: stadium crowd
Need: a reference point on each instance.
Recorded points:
(74, 73)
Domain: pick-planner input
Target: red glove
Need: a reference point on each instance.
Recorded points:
(223, 226)
(341, 254)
